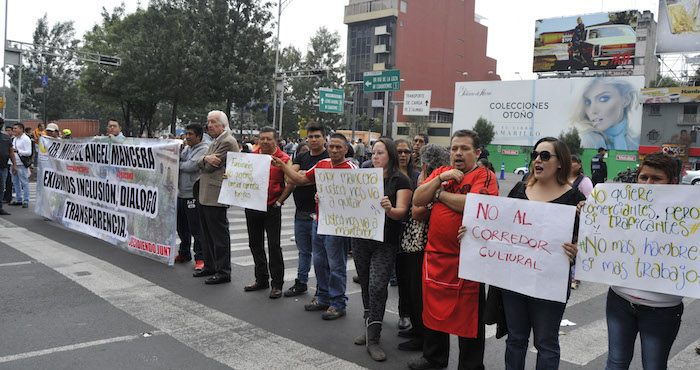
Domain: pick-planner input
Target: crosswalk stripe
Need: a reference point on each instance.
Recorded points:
(584, 344)
(228, 340)
(687, 358)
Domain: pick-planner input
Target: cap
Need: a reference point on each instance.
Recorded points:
(66, 132)
(52, 127)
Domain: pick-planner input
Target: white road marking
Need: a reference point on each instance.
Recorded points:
(16, 263)
(226, 339)
(72, 347)
(687, 358)
(585, 343)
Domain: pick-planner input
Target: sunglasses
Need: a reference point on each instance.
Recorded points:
(544, 155)
(404, 151)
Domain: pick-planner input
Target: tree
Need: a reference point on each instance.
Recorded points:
(417, 125)
(61, 94)
(485, 130)
(572, 140)
(664, 82)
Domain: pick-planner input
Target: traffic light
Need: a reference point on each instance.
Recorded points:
(319, 73)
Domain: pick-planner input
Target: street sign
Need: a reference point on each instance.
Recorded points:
(39, 90)
(382, 81)
(44, 81)
(416, 102)
(331, 100)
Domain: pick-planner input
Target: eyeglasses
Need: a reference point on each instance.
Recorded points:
(404, 151)
(544, 155)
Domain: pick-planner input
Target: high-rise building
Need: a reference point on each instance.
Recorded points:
(433, 43)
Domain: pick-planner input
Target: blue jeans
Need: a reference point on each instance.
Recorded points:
(302, 235)
(657, 330)
(330, 259)
(20, 182)
(3, 178)
(524, 313)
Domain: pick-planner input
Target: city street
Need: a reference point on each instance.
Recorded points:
(71, 301)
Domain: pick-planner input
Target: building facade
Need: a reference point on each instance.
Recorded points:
(433, 43)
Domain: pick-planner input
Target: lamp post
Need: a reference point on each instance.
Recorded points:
(354, 105)
(280, 6)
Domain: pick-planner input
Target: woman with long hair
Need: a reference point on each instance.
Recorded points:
(374, 260)
(601, 115)
(550, 167)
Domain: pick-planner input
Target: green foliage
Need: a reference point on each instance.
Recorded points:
(485, 130)
(664, 82)
(572, 140)
(417, 125)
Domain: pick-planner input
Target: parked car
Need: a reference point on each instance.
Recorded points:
(520, 170)
(691, 177)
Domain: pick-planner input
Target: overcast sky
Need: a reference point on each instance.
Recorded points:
(511, 22)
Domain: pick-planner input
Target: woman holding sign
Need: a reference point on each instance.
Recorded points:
(374, 260)
(655, 316)
(548, 182)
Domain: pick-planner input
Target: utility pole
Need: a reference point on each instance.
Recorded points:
(281, 4)
(354, 105)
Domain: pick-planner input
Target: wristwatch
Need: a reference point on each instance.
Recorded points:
(278, 204)
(437, 194)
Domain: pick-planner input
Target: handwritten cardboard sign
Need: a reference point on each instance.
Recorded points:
(516, 244)
(642, 237)
(348, 202)
(248, 179)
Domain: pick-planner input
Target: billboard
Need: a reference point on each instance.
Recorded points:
(605, 110)
(687, 94)
(678, 30)
(597, 41)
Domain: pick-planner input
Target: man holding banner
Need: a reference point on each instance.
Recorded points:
(452, 305)
(270, 222)
(216, 239)
(330, 253)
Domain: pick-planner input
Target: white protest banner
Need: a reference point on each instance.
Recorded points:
(120, 190)
(348, 202)
(516, 244)
(642, 237)
(248, 180)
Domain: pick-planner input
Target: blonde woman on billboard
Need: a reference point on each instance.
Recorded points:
(601, 115)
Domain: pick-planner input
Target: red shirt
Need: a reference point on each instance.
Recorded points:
(451, 304)
(277, 183)
(326, 163)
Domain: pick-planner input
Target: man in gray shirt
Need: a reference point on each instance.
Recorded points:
(187, 214)
(7, 156)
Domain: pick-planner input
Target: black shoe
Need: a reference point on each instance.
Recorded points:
(316, 306)
(4, 213)
(15, 203)
(202, 273)
(414, 344)
(404, 323)
(422, 363)
(296, 289)
(256, 286)
(217, 279)
(25, 205)
(275, 293)
(410, 333)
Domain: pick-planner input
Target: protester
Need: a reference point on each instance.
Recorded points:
(23, 158)
(359, 151)
(216, 239)
(329, 252)
(305, 204)
(656, 317)
(484, 153)
(7, 157)
(114, 128)
(409, 260)
(374, 260)
(405, 156)
(52, 130)
(188, 227)
(577, 179)
(269, 222)
(36, 136)
(67, 134)
(7, 197)
(550, 167)
(418, 142)
(483, 162)
(599, 169)
(452, 305)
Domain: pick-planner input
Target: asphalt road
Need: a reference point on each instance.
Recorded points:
(70, 301)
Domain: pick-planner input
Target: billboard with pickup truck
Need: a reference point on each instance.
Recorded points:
(594, 41)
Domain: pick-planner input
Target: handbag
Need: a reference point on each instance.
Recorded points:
(26, 160)
(415, 235)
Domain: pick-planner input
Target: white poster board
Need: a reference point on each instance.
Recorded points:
(516, 244)
(248, 180)
(416, 102)
(642, 237)
(348, 202)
